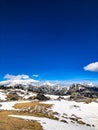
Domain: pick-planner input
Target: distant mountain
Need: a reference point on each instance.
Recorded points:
(80, 91)
(40, 87)
(75, 90)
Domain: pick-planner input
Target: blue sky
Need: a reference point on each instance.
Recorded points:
(52, 38)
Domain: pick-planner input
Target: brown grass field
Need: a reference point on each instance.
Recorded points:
(11, 123)
(31, 104)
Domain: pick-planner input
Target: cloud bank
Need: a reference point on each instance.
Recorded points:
(92, 67)
(16, 77)
(19, 77)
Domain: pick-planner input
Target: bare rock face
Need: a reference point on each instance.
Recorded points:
(46, 89)
(41, 97)
(78, 91)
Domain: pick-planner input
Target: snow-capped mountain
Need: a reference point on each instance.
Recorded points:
(47, 87)
(33, 85)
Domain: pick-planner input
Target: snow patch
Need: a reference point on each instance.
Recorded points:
(2, 96)
(9, 105)
(49, 124)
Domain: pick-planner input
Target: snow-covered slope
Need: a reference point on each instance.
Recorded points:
(88, 112)
(2, 96)
(66, 110)
(49, 124)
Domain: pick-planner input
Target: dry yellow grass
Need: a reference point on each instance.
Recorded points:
(31, 104)
(87, 100)
(11, 123)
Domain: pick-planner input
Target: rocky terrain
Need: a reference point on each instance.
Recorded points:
(80, 92)
(76, 92)
(74, 107)
(45, 88)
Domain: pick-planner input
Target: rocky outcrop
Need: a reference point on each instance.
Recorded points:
(38, 110)
(46, 89)
(78, 91)
(41, 97)
(13, 97)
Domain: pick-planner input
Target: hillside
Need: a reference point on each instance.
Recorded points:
(49, 105)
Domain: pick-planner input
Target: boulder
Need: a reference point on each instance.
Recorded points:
(41, 97)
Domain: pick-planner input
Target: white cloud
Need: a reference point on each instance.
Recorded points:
(21, 77)
(35, 75)
(92, 67)
(16, 77)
